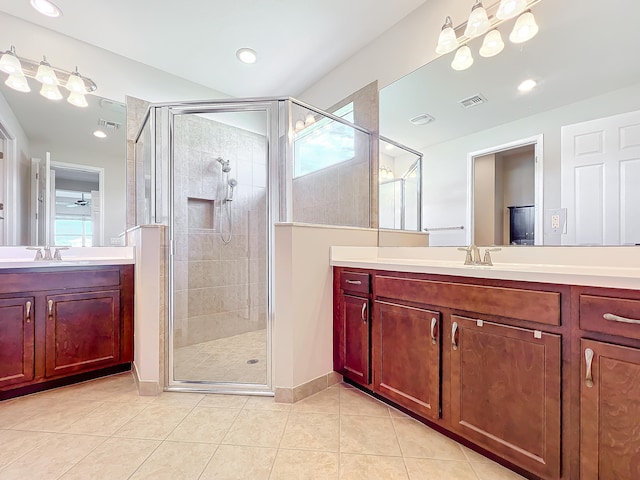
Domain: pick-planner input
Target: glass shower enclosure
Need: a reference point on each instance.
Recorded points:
(219, 175)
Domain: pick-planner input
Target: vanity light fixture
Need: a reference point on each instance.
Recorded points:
(527, 85)
(247, 55)
(447, 41)
(510, 8)
(47, 8)
(478, 22)
(463, 59)
(525, 28)
(492, 44)
(50, 77)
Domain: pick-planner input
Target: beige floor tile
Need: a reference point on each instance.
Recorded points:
(115, 459)
(54, 457)
(175, 461)
(419, 441)
(312, 431)
(257, 428)
(206, 425)
(305, 465)
(105, 419)
(397, 413)
(371, 467)
(493, 471)
(155, 422)
(428, 469)
(326, 401)
(368, 435)
(57, 417)
(266, 403)
(354, 402)
(234, 462)
(475, 457)
(13, 412)
(223, 401)
(14, 444)
(181, 399)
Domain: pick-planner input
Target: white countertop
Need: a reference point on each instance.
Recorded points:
(613, 267)
(20, 257)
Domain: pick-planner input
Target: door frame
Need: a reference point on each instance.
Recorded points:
(10, 236)
(538, 142)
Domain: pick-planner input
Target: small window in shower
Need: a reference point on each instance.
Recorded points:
(322, 142)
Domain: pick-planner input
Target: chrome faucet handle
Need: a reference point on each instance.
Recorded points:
(38, 256)
(469, 258)
(487, 256)
(47, 253)
(57, 255)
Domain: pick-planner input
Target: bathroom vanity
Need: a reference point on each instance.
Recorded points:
(62, 322)
(540, 375)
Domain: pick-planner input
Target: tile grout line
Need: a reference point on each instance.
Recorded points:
(393, 425)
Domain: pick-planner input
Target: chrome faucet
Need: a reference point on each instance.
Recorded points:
(47, 253)
(473, 255)
(57, 255)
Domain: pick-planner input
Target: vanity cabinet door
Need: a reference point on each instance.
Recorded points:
(355, 329)
(609, 412)
(82, 331)
(505, 392)
(17, 359)
(406, 353)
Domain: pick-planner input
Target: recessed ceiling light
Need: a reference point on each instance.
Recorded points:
(527, 85)
(47, 8)
(422, 119)
(100, 134)
(247, 55)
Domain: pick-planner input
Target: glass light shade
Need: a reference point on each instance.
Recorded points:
(478, 22)
(463, 59)
(77, 99)
(447, 41)
(18, 82)
(9, 63)
(492, 44)
(309, 119)
(50, 91)
(510, 8)
(75, 84)
(45, 74)
(299, 126)
(525, 28)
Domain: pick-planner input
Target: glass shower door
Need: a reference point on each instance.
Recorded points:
(220, 234)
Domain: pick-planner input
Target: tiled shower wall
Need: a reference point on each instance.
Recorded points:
(220, 290)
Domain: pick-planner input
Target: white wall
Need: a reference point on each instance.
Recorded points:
(303, 327)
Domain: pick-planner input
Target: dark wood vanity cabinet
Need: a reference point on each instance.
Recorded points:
(61, 322)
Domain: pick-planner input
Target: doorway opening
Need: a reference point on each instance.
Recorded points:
(505, 194)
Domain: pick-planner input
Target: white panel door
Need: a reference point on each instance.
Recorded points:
(601, 181)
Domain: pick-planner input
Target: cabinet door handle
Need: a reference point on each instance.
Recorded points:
(363, 314)
(617, 318)
(50, 303)
(28, 312)
(588, 356)
(434, 322)
(354, 282)
(454, 334)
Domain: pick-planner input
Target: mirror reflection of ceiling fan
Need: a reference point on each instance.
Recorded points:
(72, 201)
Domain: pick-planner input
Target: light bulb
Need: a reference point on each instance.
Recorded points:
(478, 22)
(50, 91)
(463, 59)
(492, 44)
(18, 82)
(9, 62)
(45, 73)
(525, 28)
(527, 85)
(447, 41)
(75, 84)
(510, 8)
(77, 99)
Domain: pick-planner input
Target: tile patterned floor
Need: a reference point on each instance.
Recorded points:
(102, 430)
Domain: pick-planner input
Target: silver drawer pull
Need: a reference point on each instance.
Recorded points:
(354, 282)
(617, 318)
(50, 303)
(434, 322)
(588, 356)
(363, 314)
(454, 333)
(28, 312)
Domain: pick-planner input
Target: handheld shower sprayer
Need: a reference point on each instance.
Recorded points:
(233, 183)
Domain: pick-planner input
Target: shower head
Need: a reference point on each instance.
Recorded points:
(233, 182)
(226, 168)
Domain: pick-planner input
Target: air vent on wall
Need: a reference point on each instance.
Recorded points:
(422, 119)
(472, 101)
(108, 124)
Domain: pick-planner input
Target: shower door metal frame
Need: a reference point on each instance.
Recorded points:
(271, 108)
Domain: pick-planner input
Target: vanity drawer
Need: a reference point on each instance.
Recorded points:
(355, 282)
(615, 316)
(532, 305)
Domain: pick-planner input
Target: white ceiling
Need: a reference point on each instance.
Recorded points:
(298, 41)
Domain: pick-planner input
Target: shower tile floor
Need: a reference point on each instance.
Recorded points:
(102, 430)
(229, 359)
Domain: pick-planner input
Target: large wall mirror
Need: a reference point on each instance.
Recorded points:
(562, 161)
(70, 184)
